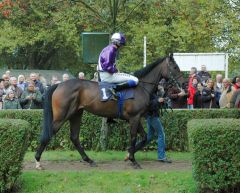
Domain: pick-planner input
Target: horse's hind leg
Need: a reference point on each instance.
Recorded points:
(74, 136)
(44, 142)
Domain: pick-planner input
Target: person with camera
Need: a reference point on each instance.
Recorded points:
(31, 97)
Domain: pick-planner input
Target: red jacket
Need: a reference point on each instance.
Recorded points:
(191, 92)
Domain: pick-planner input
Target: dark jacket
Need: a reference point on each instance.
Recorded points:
(153, 109)
(178, 102)
(204, 99)
(204, 76)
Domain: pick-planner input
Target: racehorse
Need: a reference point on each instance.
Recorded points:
(68, 100)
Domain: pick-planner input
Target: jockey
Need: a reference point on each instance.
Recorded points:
(107, 65)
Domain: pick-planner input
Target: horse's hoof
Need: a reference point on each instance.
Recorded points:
(126, 158)
(93, 164)
(136, 166)
(38, 166)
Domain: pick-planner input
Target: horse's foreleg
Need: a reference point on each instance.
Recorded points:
(143, 134)
(74, 136)
(134, 122)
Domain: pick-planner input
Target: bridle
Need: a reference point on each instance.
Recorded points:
(171, 81)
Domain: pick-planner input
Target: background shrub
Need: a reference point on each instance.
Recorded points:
(175, 124)
(14, 140)
(216, 155)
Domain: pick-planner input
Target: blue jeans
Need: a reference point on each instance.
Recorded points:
(154, 124)
(190, 106)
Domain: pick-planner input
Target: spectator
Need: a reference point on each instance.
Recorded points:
(235, 100)
(31, 97)
(13, 86)
(6, 85)
(21, 82)
(81, 75)
(236, 83)
(1, 92)
(208, 95)
(65, 77)
(199, 98)
(218, 88)
(43, 80)
(204, 75)
(178, 97)
(191, 91)
(38, 84)
(95, 77)
(8, 72)
(227, 93)
(10, 102)
(6, 77)
(54, 80)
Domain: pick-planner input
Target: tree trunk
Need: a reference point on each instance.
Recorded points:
(103, 136)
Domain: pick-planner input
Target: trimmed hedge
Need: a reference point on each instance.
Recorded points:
(175, 128)
(216, 154)
(14, 140)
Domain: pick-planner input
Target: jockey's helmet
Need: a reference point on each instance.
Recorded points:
(118, 39)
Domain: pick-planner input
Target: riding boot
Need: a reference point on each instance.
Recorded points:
(122, 86)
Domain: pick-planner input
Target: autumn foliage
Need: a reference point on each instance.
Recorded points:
(6, 8)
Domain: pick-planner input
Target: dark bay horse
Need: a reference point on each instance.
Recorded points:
(67, 100)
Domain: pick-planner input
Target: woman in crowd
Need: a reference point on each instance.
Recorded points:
(208, 95)
(21, 82)
(31, 97)
(10, 102)
(198, 97)
(192, 88)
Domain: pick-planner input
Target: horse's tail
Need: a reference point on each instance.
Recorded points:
(47, 131)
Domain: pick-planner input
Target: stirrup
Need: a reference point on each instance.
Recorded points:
(114, 94)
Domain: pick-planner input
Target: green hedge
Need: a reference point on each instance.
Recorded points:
(14, 140)
(216, 154)
(175, 128)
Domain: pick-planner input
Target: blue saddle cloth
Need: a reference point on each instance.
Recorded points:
(123, 95)
(106, 93)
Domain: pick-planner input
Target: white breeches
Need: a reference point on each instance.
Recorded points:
(117, 77)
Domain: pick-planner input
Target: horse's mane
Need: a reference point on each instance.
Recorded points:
(142, 72)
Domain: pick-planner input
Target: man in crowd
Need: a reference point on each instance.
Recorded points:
(204, 75)
(13, 86)
(65, 77)
(2, 92)
(38, 84)
(218, 88)
(5, 77)
(81, 75)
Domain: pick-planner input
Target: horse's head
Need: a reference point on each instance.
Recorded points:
(171, 71)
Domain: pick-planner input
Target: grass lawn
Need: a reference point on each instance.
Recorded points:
(97, 181)
(107, 182)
